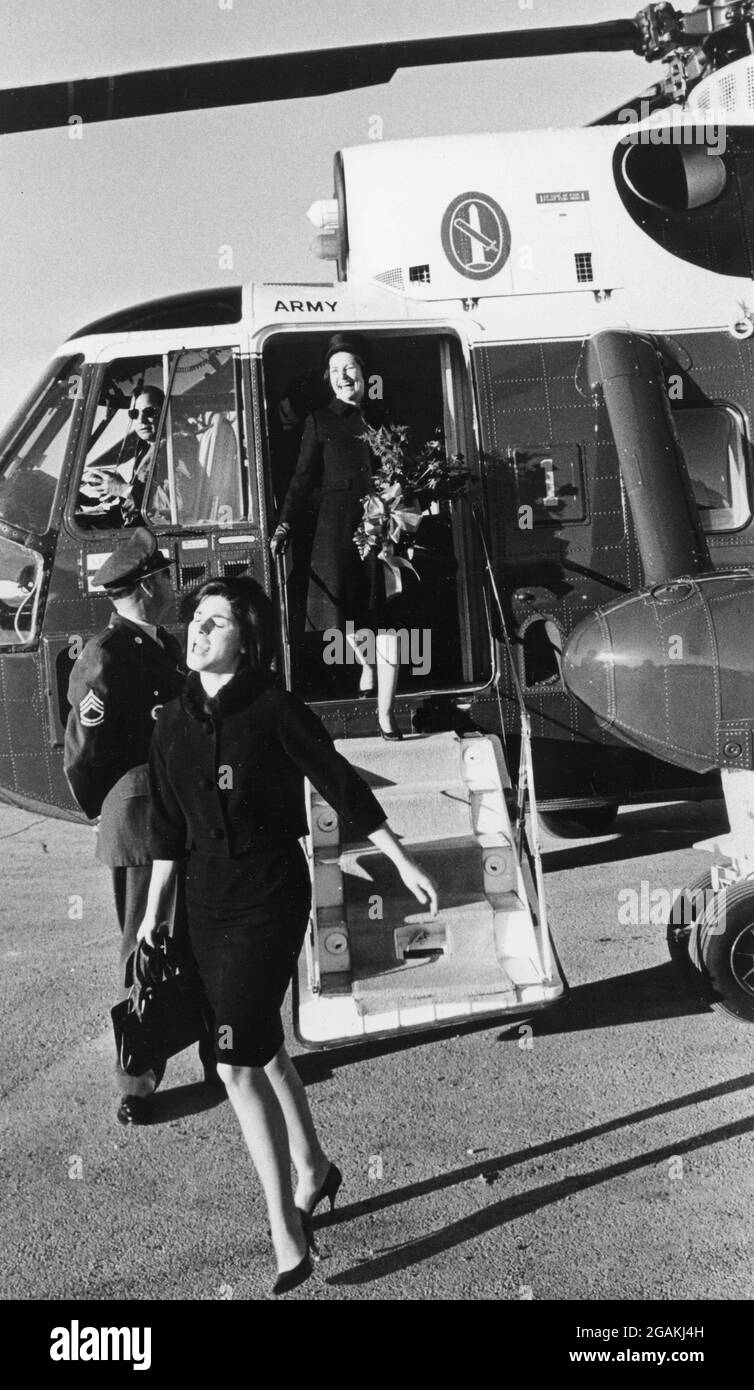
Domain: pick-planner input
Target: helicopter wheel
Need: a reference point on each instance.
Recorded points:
(682, 930)
(579, 824)
(725, 944)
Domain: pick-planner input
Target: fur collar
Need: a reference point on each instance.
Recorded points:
(240, 692)
(339, 407)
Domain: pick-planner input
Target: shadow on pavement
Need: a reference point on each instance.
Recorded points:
(655, 993)
(315, 1067)
(642, 996)
(640, 835)
(491, 1217)
(638, 997)
(178, 1102)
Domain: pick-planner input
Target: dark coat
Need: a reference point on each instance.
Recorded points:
(227, 776)
(335, 465)
(117, 687)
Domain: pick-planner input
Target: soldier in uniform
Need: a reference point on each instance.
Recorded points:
(118, 685)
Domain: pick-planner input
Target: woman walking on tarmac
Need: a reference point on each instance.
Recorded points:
(227, 770)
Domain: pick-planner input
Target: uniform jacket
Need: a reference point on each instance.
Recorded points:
(227, 776)
(117, 687)
(335, 465)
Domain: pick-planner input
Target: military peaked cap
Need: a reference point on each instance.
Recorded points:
(136, 557)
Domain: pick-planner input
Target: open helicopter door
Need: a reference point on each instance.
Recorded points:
(375, 964)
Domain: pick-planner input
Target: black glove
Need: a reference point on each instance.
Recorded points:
(280, 539)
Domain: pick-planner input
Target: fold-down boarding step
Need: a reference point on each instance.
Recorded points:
(375, 963)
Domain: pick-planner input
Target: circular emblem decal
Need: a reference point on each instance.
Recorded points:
(476, 237)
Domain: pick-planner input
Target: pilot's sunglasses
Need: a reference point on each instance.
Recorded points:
(150, 412)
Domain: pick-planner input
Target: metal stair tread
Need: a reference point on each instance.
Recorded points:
(448, 798)
(435, 981)
(365, 849)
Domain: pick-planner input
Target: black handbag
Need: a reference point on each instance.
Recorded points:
(166, 1010)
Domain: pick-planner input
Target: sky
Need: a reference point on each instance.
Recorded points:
(140, 208)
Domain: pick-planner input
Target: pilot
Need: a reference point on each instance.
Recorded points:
(118, 489)
(118, 685)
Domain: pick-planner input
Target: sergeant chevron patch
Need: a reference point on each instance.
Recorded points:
(92, 710)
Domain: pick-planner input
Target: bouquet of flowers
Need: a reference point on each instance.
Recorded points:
(405, 483)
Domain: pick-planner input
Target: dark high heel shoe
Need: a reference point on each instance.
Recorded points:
(291, 1278)
(394, 734)
(329, 1188)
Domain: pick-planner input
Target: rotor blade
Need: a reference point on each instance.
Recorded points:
(278, 76)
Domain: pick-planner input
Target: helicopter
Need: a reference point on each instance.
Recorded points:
(573, 311)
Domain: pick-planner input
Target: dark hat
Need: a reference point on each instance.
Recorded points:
(347, 342)
(132, 560)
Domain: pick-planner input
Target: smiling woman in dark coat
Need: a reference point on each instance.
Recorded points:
(335, 464)
(227, 770)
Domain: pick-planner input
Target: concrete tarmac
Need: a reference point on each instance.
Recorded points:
(604, 1151)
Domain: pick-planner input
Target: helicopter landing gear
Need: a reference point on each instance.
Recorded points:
(688, 907)
(710, 938)
(723, 940)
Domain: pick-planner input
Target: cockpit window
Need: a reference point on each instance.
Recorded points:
(33, 447)
(120, 451)
(202, 479)
(165, 446)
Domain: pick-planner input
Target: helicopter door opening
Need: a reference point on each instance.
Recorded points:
(418, 382)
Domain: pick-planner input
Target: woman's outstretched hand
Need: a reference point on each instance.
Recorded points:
(414, 877)
(418, 882)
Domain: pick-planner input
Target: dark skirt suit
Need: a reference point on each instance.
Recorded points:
(335, 465)
(227, 786)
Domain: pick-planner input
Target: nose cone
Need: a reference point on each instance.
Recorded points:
(649, 669)
(588, 666)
